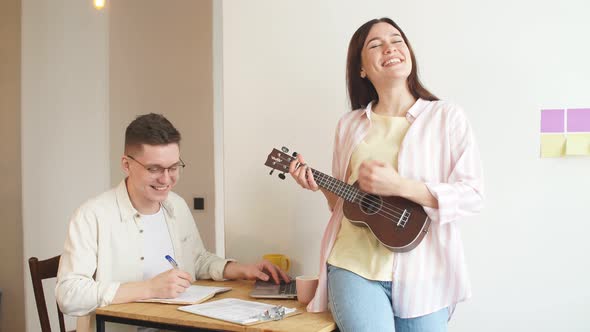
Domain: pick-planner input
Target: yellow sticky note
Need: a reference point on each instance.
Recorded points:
(578, 144)
(552, 145)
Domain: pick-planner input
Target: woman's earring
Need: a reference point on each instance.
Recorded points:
(363, 74)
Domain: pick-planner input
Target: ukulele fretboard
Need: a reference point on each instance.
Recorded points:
(340, 188)
(336, 186)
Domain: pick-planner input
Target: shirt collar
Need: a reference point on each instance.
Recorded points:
(126, 208)
(414, 111)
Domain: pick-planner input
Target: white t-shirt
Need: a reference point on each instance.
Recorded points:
(156, 244)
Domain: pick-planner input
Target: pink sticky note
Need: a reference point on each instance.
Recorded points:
(578, 120)
(552, 121)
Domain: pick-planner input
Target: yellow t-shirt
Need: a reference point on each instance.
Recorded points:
(356, 248)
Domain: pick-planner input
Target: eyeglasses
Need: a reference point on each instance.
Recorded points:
(156, 170)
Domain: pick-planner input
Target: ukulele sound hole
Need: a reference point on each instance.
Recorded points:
(371, 204)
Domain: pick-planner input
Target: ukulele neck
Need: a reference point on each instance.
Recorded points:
(339, 188)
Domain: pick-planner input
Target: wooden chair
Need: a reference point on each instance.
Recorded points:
(41, 270)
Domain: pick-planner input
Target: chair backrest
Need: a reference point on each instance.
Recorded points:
(41, 270)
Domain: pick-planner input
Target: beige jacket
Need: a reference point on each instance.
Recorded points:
(103, 249)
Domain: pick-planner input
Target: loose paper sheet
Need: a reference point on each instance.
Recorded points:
(233, 310)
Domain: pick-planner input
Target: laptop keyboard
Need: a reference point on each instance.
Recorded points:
(288, 288)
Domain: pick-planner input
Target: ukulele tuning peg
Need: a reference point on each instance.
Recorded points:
(295, 154)
(272, 170)
(282, 176)
(285, 150)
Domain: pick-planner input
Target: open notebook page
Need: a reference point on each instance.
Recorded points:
(194, 294)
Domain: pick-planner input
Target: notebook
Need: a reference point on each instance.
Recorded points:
(240, 311)
(270, 290)
(194, 294)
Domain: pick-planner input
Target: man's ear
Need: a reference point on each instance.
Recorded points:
(125, 165)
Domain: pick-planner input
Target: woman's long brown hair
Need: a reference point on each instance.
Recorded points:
(360, 90)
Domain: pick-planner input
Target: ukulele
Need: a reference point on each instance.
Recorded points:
(398, 223)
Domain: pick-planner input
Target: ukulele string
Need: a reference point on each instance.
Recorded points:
(375, 204)
(388, 209)
(391, 209)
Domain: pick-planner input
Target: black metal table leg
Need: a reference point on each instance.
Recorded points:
(101, 320)
(99, 323)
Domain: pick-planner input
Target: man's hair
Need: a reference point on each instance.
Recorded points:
(151, 129)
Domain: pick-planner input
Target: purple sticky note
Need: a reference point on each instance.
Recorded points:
(552, 121)
(578, 119)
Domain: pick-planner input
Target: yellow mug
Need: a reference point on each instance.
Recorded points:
(279, 260)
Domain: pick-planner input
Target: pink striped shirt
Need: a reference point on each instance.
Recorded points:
(439, 149)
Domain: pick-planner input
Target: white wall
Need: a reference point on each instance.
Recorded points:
(64, 125)
(283, 84)
(217, 41)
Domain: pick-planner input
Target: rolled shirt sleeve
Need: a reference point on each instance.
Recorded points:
(210, 266)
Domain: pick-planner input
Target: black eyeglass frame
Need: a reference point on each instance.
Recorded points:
(156, 170)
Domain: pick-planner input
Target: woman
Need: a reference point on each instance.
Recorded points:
(399, 140)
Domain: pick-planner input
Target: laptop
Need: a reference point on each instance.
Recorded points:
(270, 290)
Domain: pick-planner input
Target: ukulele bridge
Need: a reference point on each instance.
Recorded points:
(403, 220)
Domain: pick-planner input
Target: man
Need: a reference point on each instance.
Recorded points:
(117, 242)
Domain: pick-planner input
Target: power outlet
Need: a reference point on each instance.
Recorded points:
(199, 203)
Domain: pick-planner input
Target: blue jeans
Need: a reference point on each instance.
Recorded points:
(359, 304)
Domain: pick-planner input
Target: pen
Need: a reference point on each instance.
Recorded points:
(172, 261)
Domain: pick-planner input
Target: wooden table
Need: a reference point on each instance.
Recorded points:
(166, 316)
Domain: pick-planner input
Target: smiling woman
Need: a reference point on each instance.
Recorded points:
(399, 140)
(386, 34)
(386, 51)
